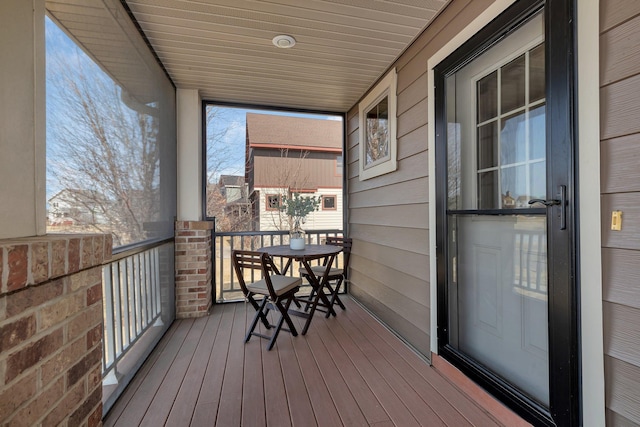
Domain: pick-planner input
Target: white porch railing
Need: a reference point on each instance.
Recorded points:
(134, 302)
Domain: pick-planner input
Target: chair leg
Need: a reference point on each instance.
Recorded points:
(259, 315)
(284, 316)
(263, 315)
(335, 299)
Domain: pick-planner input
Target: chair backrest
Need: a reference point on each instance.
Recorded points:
(253, 260)
(346, 243)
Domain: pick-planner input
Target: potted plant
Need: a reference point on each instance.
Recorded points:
(297, 208)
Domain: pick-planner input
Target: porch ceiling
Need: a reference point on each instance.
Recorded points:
(224, 48)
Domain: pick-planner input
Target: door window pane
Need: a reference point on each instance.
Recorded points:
(513, 138)
(537, 133)
(488, 97)
(488, 190)
(488, 146)
(536, 74)
(513, 84)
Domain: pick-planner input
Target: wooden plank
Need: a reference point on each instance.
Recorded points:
(417, 336)
(365, 400)
(389, 401)
(414, 240)
(620, 108)
(253, 395)
(411, 361)
(444, 409)
(415, 288)
(122, 403)
(403, 193)
(413, 118)
(621, 332)
(399, 385)
(409, 169)
(413, 94)
(413, 216)
(622, 388)
(620, 276)
(210, 393)
(297, 395)
(324, 407)
(187, 397)
(619, 169)
(276, 407)
(139, 403)
(414, 142)
(166, 395)
(230, 406)
(622, 52)
(615, 12)
(344, 401)
(397, 259)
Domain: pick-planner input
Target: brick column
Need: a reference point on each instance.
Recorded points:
(194, 269)
(51, 330)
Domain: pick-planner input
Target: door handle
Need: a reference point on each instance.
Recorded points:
(547, 203)
(553, 202)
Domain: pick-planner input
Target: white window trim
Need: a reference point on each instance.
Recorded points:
(385, 87)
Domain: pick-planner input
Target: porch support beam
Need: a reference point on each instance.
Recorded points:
(22, 119)
(189, 123)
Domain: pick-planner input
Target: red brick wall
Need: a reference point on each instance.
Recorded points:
(51, 330)
(194, 294)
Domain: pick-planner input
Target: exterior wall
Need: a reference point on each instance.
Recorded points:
(51, 330)
(620, 187)
(318, 220)
(194, 271)
(389, 214)
(315, 169)
(22, 119)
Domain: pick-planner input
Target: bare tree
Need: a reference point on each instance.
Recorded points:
(225, 157)
(103, 152)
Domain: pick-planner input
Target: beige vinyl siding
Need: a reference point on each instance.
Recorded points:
(389, 214)
(620, 177)
(318, 220)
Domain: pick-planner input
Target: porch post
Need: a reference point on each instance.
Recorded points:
(193, 257)
(22, 119)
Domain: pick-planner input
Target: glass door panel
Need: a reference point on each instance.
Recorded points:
(497, 257)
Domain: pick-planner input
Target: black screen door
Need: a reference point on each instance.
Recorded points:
(504, 150)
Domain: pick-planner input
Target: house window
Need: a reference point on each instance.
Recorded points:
(273, 202)
(329, 203)
(339, 165)
(377, 129)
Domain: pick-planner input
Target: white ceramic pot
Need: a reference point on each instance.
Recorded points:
(296, 243)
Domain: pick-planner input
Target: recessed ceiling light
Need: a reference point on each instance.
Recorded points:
(283, 41)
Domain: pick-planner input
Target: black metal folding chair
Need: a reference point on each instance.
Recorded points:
(277, 292)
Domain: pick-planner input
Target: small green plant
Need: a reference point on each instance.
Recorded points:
(297, 208)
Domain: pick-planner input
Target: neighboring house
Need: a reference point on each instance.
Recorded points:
(294, 154)
(76, 207)
(234, 190)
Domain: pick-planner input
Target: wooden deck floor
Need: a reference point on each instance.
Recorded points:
(348, 370)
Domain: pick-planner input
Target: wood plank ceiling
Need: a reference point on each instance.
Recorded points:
(224, 47)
